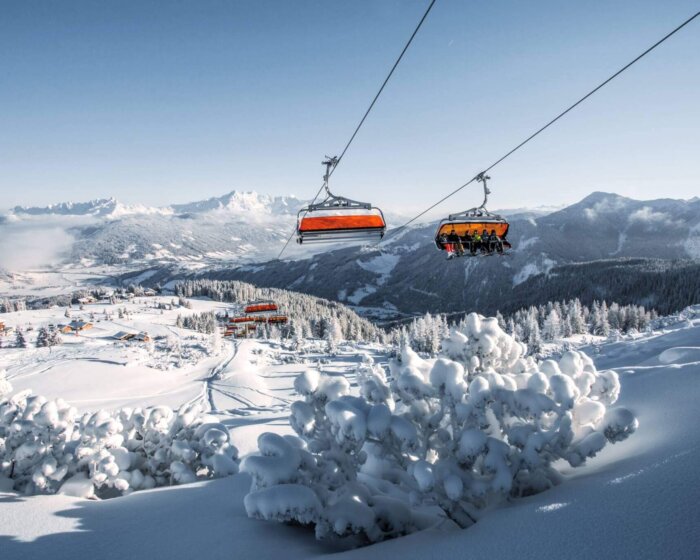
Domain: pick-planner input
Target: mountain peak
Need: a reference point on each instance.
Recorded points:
(243, 202)
(597, 197)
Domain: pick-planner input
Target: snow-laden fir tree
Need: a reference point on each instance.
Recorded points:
(54, 338)
(552, 325)
(42, 337)
(20, 339)
(215, 342)
(457, 434)
(334, 335)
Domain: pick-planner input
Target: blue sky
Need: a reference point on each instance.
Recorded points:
(162, 102)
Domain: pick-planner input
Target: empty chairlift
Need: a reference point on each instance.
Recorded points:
(339, 219)
(260, 307)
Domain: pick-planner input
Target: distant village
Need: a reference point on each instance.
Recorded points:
(77, 320)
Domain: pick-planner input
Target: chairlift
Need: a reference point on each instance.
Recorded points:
(454, 233)
(260, 307)
(241, 319)
(338, 219)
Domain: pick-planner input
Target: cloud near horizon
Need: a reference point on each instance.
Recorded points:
(23, 247)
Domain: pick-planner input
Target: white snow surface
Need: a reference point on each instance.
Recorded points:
(634, 500)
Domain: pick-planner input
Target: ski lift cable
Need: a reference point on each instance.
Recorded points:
(364, 117)
(540, 130)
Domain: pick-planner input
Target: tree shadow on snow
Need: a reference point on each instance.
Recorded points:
(205, 519)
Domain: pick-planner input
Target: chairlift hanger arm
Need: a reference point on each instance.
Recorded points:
(330, 163)
(334, 202)
(478, 211)
(482, 178)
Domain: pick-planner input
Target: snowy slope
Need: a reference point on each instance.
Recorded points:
(635, 500)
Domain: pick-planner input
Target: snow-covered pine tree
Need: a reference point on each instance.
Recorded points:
(333, 335)
(20, 339)
(54, 338)
(42, 338)
(599, 317)
(566, 328)
(552, 325)
(576, 317)
(215, 342)
(534, 337)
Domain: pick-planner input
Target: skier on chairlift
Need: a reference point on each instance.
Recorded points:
(457, 243)
(485, 242)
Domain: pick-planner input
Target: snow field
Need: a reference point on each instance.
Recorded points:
(636, 500)
(95, 371)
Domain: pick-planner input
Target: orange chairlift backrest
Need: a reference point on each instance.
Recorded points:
(259, 307)
(341, 222)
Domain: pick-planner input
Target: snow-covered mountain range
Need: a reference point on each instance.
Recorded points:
(239, 226)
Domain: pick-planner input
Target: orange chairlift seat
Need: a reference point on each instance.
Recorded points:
(339, 219)
(260, 307)
(241, 319)
(475, 219)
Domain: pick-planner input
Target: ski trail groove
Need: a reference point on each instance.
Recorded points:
(216, 374)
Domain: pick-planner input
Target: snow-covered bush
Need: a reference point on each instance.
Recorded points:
(46, 446)
(445, 437)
